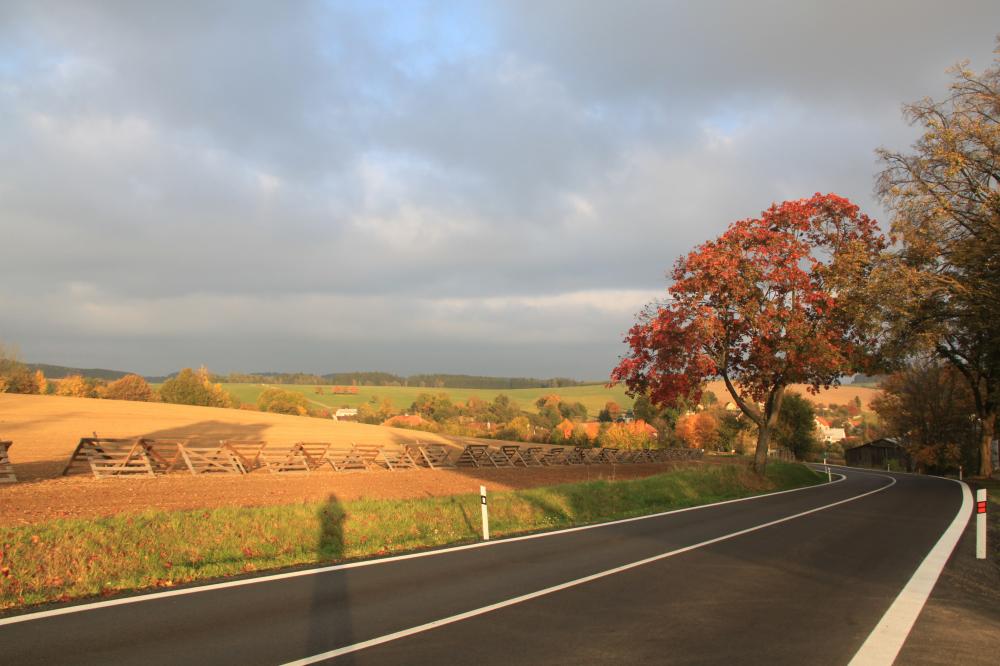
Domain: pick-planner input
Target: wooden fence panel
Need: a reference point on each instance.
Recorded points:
(6, 468)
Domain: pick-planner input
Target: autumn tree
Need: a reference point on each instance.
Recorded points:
(15, 377)
(698, 430)
(767, 304)
(929, 407)
(612, 410)
(517, 429)
(283, 401)
(621, 436)
(706, 429)
(130, 387)
(796, 429)
(75, 386)
(190, 387)
(502, 409)
(436, 407)
(41, 383)
(944, 289)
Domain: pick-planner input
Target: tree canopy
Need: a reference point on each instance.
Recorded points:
(944, 287)
(767, 304)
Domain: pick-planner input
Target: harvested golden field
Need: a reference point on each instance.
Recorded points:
(838, 395)
(45, 429)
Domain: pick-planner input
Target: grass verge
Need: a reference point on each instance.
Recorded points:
(68, 559)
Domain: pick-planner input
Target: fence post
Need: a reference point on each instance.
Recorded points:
(486, 513)
(981, 524)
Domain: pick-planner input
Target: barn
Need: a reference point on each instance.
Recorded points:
(879, 452)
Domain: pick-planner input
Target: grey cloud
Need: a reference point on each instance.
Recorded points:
(325, 185)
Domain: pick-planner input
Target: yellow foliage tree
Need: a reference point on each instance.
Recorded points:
(74, 386)
(41, 384)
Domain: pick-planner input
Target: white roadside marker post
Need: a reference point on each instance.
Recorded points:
(829, 476)
(959, 472)
(981, 524)
(486, 513)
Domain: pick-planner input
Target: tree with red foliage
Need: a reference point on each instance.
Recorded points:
(772, 302)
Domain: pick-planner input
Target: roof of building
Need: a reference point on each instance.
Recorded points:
(406, 420)
(880, 443)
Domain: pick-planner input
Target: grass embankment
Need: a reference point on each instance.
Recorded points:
(67, 559)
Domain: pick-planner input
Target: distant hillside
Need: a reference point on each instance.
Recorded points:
(60, 371)
(389, 379)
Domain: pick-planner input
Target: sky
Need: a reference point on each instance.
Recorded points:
(490, 188)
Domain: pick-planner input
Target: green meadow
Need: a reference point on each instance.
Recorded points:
(593, 396)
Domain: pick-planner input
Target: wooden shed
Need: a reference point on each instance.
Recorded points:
(878, 453)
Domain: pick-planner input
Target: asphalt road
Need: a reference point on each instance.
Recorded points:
(771, 587)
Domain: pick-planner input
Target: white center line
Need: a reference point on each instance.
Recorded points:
(347, 649)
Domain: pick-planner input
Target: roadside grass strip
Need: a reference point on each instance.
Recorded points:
(63, 560)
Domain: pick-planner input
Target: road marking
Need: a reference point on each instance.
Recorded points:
(347, 649)
(80, 608)
(887, 638)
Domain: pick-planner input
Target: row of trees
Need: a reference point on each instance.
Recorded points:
(188, 387)
(811, 290)
(389, 379)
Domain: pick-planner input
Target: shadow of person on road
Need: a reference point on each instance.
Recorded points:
(329, 622)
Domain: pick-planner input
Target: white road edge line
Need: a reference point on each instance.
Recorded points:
(562, 586)
(886, 640)
(80, 608)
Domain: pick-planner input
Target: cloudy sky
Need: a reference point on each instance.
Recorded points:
(476, 187)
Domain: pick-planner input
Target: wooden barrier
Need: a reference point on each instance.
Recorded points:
(513, 455)
(315, 453)
(211, 460)
(284, 459)
(165, 454)
(394, 458)
(107, 457)
(533, 456)
(370, 455)
(555, 456)
(344, 458)
(475, 455)
(246, 451)
(432, 456)
(6, 468)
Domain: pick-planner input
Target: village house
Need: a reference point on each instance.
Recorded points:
(827, 433)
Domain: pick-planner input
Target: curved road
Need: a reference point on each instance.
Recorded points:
(796, 577)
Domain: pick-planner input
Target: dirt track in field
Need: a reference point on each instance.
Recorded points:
(46, 429)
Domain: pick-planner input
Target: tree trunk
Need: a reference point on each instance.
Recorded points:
(770, 417)
(985, 443)
(760, 455)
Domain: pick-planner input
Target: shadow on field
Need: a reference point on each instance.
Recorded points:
(204, 432)
(329, 612)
